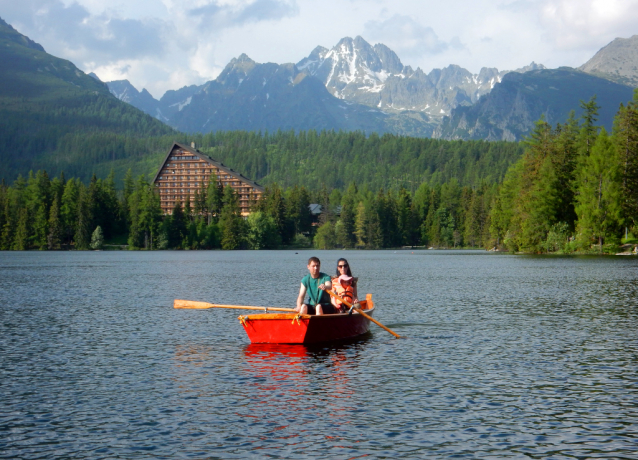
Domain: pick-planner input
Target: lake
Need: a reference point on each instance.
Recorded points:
(503, 357)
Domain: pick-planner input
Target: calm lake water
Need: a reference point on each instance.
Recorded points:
(504, 357)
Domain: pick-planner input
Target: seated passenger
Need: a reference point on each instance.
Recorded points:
(343, 268)
(346, 292)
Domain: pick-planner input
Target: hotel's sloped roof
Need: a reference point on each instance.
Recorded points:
(208, 159)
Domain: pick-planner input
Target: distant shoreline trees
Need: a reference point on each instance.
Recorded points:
(575, 188)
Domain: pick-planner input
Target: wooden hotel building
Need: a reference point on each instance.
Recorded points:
(185, 169)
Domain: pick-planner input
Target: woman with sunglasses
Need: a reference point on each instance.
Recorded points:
(343, 268)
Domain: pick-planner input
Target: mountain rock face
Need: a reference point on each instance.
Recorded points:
(373, 75)
(259, 97)
(125, 92)
(366, 88)
(510, 110)
(617, 62)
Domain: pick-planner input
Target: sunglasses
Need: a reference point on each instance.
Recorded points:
(342, 266)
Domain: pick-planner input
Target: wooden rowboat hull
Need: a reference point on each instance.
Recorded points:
(305, 329)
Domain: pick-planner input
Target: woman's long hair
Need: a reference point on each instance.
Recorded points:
(348, 271)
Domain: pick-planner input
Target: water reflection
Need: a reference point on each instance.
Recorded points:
(507, 357)
(286, 376)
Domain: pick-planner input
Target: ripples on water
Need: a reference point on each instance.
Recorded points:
(504, 357)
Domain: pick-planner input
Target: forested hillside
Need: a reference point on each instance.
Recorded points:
(55, 117)
(574, 189)
(335, 159)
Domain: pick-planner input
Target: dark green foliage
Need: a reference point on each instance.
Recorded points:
(54, 237)
(176, 228)
(234, 228)
(55, 117)
(336, 159)
(574, 187)
(626, 140)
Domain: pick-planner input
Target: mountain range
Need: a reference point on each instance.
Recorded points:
(357, 86)
(55, 117)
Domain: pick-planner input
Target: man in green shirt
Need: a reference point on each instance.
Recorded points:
(314, 284)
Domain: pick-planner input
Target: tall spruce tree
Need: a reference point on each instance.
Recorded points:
(626, 140)
(21, 236)
(599, 193)
(588, 129)
(54, 237)
(233, 227)
(84, 222)
(214, 197)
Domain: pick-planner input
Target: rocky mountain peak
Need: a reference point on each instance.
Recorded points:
(388, 58)
(236, 71)
(530, 67)
(618, 61)
(352, 65)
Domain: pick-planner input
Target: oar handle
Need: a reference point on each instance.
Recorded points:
(204, 305)
(358, 310)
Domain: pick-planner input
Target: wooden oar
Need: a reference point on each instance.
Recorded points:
(203, 305)
(358, 310)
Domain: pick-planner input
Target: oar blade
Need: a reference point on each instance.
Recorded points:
(178, 303)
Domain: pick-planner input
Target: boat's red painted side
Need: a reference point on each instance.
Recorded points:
(292, 328)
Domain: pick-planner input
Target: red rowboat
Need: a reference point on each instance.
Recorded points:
(295, 328)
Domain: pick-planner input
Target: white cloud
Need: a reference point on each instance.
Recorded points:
(407, 37)
(577, 24)
(165, 44)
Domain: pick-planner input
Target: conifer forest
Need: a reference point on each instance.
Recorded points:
(567, 188)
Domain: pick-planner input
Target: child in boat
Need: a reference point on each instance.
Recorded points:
(344, 289)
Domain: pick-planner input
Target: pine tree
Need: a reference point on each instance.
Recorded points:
(565, 160)
(8, 225)
(21, 236)
(188, 210)
(298, 213)
(599, 192)
(54, 236)
(214, 197)
(626, 140)
(110, 212)
(588, 130)
(361, 225)
(233, 227)
(69, 209)
(177, 228)
(150, 215)
(40, 227)
(406, 220)
(84, 220)
(129, 188)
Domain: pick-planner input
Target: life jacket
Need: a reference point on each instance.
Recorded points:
(346, 293)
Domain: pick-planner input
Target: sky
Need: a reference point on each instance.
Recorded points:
(167, 44)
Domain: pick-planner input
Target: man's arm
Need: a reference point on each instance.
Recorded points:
(300, 297)
(326, 285)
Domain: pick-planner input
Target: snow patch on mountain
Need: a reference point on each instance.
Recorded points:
(181, 105)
